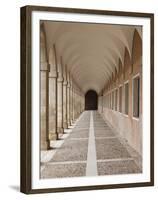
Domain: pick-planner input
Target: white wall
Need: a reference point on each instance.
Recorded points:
(9, 99)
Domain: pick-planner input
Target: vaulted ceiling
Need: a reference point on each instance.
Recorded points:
(90, 51)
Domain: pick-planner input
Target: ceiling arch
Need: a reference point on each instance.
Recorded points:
(91, 52)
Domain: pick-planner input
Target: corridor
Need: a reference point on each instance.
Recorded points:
(90, 99)
(89, 147)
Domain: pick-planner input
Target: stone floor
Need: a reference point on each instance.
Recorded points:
(89, 148)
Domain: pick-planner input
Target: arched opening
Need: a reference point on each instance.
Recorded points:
(137, 49)
(91, 100)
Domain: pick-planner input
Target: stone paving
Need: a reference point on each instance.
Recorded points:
(71, 156)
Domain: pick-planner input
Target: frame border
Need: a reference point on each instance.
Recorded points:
(25, 99)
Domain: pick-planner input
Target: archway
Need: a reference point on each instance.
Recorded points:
(91, 100)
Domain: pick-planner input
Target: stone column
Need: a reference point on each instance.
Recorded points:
(71, 102)
(73, 106)
(53, 135)
(44, 140)
(78, 104)
(60, 128)
(65, 124)
(44, 107)
(83, 103)
(102, 101)
(68, 100)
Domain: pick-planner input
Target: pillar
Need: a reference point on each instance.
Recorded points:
(102, 101)
(53, 135)
(78, 103)
(73, 104)
(60, 128)
(68, 100)
(44, 106)
(71, 101)
(65, 124)
(44, 140)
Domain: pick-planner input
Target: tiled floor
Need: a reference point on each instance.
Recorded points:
(90, 148)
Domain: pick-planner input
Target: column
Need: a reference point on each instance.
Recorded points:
(102, 101)
(78, 104)
(53, 135)
(73, 106)
(80, 109)
(65, 124)
(44, 140)
(83, 102)
(71, 102)
(68, 99)
(60, 128)
(76, 107)
(44, 107)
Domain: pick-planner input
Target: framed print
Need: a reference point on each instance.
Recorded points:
(87, 99)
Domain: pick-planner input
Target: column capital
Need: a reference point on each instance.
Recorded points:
(65, 83)
(52, 71)
(53, 74)
(68, 85)
(60, 79)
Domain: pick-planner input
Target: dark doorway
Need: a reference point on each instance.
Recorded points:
(91, 100)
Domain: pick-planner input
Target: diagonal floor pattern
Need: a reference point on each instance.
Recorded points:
(90, 148)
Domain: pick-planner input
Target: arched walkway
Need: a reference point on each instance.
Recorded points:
(91, 100)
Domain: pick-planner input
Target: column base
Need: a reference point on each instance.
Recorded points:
(65, 125)
(72, 122)
(53, 136)
(60, 130)
(45, 145)
(69, 123)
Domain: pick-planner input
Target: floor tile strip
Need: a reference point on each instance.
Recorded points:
(91, 169)
(114, 159)
(78, 138)
(66, 162)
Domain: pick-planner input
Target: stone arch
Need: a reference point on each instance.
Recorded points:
(43, 50)
(127, 63)
(60, 69)
(52, 61)
(120, 67)
(136, 49)
(120, 71)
